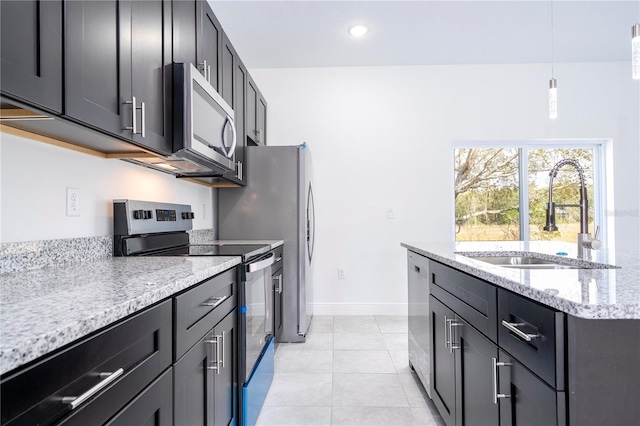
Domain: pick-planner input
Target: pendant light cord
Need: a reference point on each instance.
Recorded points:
(552, 46)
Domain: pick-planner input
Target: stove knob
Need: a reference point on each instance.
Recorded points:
(191, 215)
(149, 214)
(185, 215)
(137, 214)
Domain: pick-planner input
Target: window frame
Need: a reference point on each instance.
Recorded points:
(600, 174)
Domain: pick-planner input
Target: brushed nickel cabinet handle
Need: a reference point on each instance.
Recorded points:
(494, 375)
(513, 327)
(215, 301)
(76, 401)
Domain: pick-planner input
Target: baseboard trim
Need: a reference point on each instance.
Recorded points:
(360, 309)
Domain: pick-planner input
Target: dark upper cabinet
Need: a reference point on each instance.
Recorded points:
(197, 38)
(256, 114)
(31, 52)
(233, 82)
(116, 69)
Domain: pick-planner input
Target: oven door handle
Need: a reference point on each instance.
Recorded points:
(261, 263)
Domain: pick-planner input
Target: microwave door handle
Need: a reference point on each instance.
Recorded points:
(232, 149)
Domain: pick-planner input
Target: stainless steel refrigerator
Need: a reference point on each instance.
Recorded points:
(277, 204)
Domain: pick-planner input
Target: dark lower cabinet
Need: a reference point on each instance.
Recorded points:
(205, 390)
(443, 379)
(474, 377)
(277, 278)
(94, 379)
(225, 391)
(31, 52)
(528, 400)
(117, 73)
(153, 407)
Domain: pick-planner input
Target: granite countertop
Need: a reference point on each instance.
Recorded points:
(585, 293)
(46, 308)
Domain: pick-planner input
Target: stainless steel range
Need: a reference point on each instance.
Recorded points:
(143, 228)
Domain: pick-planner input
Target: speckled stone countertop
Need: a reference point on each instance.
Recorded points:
(584, 293)
(45, 309)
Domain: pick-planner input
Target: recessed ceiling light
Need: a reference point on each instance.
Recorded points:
(358, 30)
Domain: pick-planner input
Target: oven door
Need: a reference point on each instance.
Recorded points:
(256, 310)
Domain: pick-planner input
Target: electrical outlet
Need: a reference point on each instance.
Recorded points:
(341, 273)
(73, 202)
(390, 213)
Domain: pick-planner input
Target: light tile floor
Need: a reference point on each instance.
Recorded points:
(352, 370)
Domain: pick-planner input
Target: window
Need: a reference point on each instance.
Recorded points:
(501, 191)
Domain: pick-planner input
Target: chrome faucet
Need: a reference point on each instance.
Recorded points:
(586, 243)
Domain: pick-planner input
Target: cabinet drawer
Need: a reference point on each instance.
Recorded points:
(139, 345)
(199, 309)
(534, 334)
(474, 300)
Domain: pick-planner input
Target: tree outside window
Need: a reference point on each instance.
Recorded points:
(491, 187)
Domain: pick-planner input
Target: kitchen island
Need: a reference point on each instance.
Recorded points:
(525, 346)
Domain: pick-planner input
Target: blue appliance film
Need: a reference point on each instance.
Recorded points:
(255, 390)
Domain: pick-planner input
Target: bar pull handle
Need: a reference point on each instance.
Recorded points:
(512, 327)
(239, 169)
(280, 284)
(134, 121)
(216, 364)
(143, 120)
(209, 73)
(215, 301)
(76, 401)
(446, 332)
(451, 323)
(222, 357)
(494, 375)
(205, 69)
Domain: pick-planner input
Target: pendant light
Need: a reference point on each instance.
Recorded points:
(553, 84)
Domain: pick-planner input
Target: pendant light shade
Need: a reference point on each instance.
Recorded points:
(553, 99)
(635, 51)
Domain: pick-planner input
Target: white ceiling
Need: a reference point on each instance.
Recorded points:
(277, 34)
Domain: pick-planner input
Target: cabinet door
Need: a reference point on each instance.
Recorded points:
(151, 73)
(240, 109)
(474, 377)
(31, 51)
(442, 361)
(225, 387)
(262, 119)
(277, 304)
(530, 400)
(252, 110)
(184, 38)
(208, 49)
(98, 64)
(419, 327)
(152, 407)
(193, 384)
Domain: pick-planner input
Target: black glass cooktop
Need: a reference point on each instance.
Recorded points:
(244, 250)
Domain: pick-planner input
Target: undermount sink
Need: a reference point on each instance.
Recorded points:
(526, 262)
(534, 261)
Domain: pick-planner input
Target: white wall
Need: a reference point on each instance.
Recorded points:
(33, 181)
(381, 138)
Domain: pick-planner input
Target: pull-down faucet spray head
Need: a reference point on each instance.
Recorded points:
(585, 242)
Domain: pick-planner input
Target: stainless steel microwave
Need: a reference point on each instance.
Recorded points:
(204, 131)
